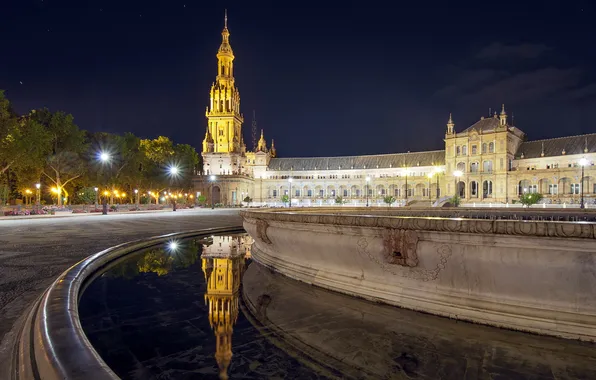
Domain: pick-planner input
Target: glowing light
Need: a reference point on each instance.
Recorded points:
(212, 178)
(136, 191)
(96, 189)
(458, 173)
(173, 245)
(367, 179)
(38, 185)
(173, 170)
(290, 180)
(104, 157)
(583, 162)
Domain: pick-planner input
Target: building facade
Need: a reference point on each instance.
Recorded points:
(490, 162)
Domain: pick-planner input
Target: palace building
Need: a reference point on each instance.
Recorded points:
(490, 162)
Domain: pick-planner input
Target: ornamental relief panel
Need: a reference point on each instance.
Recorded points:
(400, 247)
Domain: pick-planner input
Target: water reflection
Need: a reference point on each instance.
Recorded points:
(223, 265)
(155, 315)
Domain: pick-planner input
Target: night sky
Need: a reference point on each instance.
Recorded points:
(325, 78)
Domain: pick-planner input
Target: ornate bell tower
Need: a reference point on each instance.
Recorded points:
(223, 145)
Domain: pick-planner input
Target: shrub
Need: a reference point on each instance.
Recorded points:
(529, 199)
(389, 200)
(455, 201)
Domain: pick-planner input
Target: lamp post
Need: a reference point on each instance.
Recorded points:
(137, 197)
(105, 158)
(438, 173)
(212, 179)
(96, 196)
(290, 180)
(367, 181)
(583, 162)
(430, 176)
(173, 172)
(456, 175)
(406, 187)
(38, 198)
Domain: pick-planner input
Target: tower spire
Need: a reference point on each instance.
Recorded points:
(450, 125)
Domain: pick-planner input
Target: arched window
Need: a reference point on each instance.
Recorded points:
(491, 147)
(461, 166)
(484, 148)
(474, 167)
(487, 189)
(464, 150)
(458, 151)
(474, 189)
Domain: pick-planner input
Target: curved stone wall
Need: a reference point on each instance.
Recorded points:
(537, 276)
(52, 344)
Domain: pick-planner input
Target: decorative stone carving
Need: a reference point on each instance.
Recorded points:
(262, 226)
(443, 251)
(400, 247)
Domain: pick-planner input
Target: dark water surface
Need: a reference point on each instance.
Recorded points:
(178, 311)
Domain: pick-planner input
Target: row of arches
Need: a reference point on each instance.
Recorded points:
(475, 189)
(354, 191)
(487, 167)
(484, 148)
(560, 186)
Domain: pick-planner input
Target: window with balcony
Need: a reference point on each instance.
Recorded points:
(474, 149)
(464, 150)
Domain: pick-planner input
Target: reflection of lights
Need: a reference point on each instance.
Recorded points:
(173, 245)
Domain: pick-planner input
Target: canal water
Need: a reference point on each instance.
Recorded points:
(202, 309)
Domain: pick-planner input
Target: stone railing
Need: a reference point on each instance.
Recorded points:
(530, 270)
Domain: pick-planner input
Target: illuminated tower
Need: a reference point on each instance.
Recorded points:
(223, 265)
(224, 120)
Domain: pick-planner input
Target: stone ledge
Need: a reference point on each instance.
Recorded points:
(51, 343)
(444, 221)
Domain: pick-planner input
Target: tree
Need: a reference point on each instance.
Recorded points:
(86, 195)
(23, 141)
(124, 168)
(247, 200)
(201, 199)
(285, 199)
(389, 200)
(64, 162)
(340, 201)
(529, 199)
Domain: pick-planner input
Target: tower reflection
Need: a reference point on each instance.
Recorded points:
(223, 262)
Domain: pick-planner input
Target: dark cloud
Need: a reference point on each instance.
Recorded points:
(526, 86)
(497, 50)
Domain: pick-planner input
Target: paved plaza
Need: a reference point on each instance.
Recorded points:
(33, 252)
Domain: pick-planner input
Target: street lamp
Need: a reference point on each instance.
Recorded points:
(104, 157)
(406, 172)
(212, 179)
(173, 171)
(456, 175)
(582, 162)
(367, 181)
(38, 187)
(430, 176)
(290, 180)
(137, 197)
(438, 172)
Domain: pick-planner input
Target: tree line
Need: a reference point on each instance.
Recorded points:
(69, 163)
